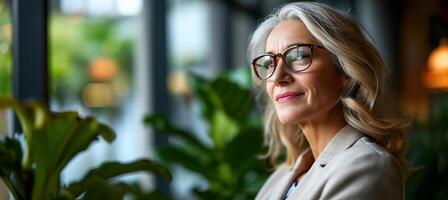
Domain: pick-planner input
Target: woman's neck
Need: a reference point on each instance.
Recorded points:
(320, 130)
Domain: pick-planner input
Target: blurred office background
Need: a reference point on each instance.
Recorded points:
(119, 60)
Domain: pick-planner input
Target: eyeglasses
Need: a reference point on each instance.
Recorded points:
(296, 58)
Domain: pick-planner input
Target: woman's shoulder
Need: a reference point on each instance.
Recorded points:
(363, 171)
(367, 150)
(367, 145)
(366, 155)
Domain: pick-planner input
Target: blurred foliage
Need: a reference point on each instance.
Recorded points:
(428, 153)
(77, 40)
(5, 50)
(51, 140)
(230, 165)
(74, 42)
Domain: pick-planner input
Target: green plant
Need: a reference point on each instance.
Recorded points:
(429, 144)
(230, 165)
(76, 43)
(51, 140)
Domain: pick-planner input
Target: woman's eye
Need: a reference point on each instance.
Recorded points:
(297, 56)
(268, 64)
(301, 56)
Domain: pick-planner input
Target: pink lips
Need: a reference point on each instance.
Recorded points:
(287, 96)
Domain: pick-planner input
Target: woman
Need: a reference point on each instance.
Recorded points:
(321, 79)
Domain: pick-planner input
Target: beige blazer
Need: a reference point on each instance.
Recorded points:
(350, 167)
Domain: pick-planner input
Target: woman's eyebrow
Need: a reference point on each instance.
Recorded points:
(289, 45)
(294, 44)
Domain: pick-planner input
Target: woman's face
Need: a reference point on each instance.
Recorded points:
(302, 96)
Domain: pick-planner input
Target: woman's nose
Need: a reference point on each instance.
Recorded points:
(281, 75)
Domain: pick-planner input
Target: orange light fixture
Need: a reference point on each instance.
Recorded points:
(436, 76)
(103, 68)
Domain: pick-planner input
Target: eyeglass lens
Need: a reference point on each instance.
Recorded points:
(296, 59)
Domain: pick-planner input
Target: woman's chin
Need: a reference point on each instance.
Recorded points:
(287, 120)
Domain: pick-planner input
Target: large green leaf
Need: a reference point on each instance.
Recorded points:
(10, 154)
(236, 101)
(26, 122)
(81, 136)
(225, 105)
(180, 155)
(99, 188)
(223, 128)
(222, 93)
(52, 139)
(161, 125)
(55, 142)
(10, 170)
(112, 169)
(243, 148)
(206, 97)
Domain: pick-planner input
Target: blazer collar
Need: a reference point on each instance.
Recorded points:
(343, 139)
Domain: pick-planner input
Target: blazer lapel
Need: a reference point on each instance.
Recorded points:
(283, 185)
(343, 139)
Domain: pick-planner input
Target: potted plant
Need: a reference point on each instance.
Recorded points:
(230, 165)
(31, 169)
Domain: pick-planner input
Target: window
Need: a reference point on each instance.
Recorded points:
(189, 48)
(93, 60)
(5, 70)
(204, 37)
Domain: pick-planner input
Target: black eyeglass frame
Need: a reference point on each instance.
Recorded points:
(282, 55)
